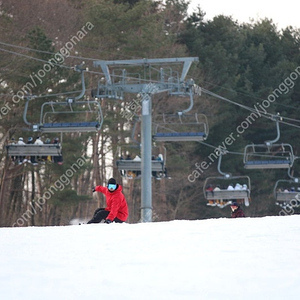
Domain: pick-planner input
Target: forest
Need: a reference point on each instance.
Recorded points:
(246, 84)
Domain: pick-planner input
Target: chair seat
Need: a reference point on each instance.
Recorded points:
(225, 194)
(34, 150)
(283, 196)
(70, 127)
(180, 136)
(268, 164)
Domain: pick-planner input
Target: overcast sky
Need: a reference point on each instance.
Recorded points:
(282, 13)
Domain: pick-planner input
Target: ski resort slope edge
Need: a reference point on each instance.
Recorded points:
(246, 258)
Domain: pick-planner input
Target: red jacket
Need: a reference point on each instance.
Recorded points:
(115, 203)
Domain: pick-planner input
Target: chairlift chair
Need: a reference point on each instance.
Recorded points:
(58, 112)
(132, 165)
(262, 156)
(287, 190)
(269, 155)
(239, 194)
(67, 116)
(181, 128)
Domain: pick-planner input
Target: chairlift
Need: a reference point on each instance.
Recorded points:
(223, 190)
(56, 112)
(130, 166)
(286, 190)
(181, 128)
(269, 155)
(68, 116)
(261, 156)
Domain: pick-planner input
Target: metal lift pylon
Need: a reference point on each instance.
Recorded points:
(117, 84)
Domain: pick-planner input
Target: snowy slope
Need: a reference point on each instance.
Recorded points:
(247, 258)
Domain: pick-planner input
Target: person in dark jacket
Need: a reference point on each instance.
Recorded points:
(57, 159)
(236, 211)
(116, 206)
(32, 158)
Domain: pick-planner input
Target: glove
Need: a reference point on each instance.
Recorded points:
(107, 221)
(93, 189)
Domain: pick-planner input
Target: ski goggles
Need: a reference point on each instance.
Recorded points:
(112, 186)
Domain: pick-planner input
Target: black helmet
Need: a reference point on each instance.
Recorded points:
(112, 181)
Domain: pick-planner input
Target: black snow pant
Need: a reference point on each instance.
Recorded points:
(101, 214)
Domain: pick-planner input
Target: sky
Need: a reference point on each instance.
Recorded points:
(283, 14)
(244, 258)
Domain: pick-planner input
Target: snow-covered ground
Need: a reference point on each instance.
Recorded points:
(246, 258)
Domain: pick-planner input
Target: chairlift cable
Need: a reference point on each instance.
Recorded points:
(34, 58)
(263, 114)
(201, 142)
(247, 94)
(49, 52)
(227, 151)
(46, 61)
(235, 103)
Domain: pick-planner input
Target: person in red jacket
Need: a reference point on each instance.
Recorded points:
(236, 211)
(116, 206)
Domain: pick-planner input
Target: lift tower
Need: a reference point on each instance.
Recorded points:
(152, 79)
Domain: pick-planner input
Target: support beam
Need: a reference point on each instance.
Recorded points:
(146, 201)
(187, 61)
